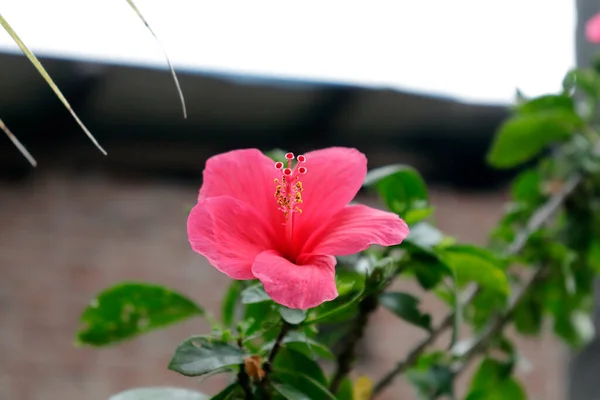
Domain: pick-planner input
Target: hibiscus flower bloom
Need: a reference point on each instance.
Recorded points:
(284, 223)
(592, 29)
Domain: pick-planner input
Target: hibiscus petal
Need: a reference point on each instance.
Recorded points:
(229, 233)
(592, 29)
(297, 286)
(246, 175)
(334, 176)
(354, 229)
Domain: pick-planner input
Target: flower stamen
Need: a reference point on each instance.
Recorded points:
(288, 189)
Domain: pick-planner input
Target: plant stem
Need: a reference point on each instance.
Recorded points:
(268, 365)
(244, 382)
(537, 220)
(243, 378)
(481, 344)
(345, 360)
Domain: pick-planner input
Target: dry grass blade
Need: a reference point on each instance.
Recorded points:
(18, 144)
(36, 63)
(137, 11)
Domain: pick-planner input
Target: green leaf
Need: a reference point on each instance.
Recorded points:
(549, 102)
(586, 80)
(483, 307)
(289, 392)
(492, 381)
(292, 316)
(130, 309)
(277, 155)
(424, 235)
(330, 314)
(406, 307)
(303, 383)
(231, 392)
(523, 137)
(528, 315)
(200, 355)
(415, 215)
(402, 189)
(159, 393)
(257, 316)
(382, 273)
(432, 382)
(230, 302)
(290, 360)
(471, 263)
(299, 342)
(509, 389)
(254, 294)
(527, 186)
(345, 282)
(428, 269)
(346, 391)
(42, 71)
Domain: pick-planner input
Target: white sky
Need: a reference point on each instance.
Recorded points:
(475, 50)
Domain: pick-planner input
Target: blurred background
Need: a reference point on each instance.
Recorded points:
(424, 84)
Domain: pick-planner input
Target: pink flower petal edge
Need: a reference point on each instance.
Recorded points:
(229, 233)
(334, 177)
(303, 286)
(354, 229)
(246, 175)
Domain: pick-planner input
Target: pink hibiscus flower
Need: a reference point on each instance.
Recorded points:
(283, 224)
(592, 29)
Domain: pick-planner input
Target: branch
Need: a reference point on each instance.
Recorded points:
(268, 365)
(497, 325)
(242, 376)
(413, 356)
(244, 381)
(537, 220)
(348, 354)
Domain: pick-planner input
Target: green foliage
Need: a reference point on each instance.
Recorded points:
(289, 392)
(292, 316)
(130, 309)
(201, 355)
(346, 391)
(432, 377)
(231, 392)
(473, 264)
(535, 274)
(296, 370)
(230, 303)
(302, 343)
(159, 393)
(493, 381)
(406, 307)
(403, 191)
(254, 294)
(537, 124)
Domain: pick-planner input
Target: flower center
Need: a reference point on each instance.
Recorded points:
(288, 189)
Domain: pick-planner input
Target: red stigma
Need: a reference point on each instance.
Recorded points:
(302, 170)
(301, 158)
(289, 156)
(287, 171)
(278, 165)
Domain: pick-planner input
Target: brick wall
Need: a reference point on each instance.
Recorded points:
(65, 236)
